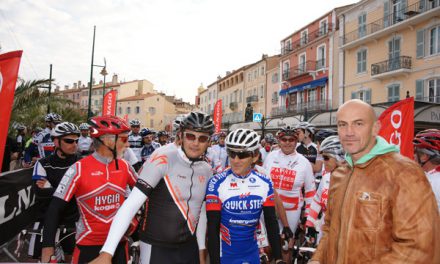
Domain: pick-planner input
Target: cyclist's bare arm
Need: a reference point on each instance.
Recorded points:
(281, 213)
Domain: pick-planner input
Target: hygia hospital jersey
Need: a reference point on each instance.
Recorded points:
(240, 200)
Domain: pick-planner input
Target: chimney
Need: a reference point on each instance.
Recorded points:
(66, 87)
(264, 56)
(93, 81)
(79, 84)
(75, 85)
(115, 79)
(228, 72)
(57, 89)
(219, 77)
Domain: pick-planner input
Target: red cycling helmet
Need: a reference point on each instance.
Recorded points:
(101, 125)
(429, 140)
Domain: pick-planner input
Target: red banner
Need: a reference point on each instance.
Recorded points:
(109, 104)
(126, 118)
(397, 126)
(9, 64)
(218, 115)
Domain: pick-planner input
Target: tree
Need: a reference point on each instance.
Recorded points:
(30, 105)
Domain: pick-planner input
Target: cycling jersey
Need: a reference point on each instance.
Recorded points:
(136, 143)
(84, 145)
(319, 202)
(289, 174)
(240, 201)
(212, 158)
(221, 154)
(44, 142)
(434, 179)
(99, 190)
(310, 151)
(148, 149)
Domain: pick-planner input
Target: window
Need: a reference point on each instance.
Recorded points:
(286, 70)
(304, 37)
(275, 97)
(420, 90)
(152, 110)
(262, 71)
(302, 63)
(138, 109)
(128, 110)
(209, 96)
(322, 93)
(151, 123)
(320, 64)
(311, 96)
(323, 27)
(96, 102)
(262, 91)
(249, 76)
(120, 110)
(420, 48)
(434, 40)
(393, 93)
(434, 90)
(287, 46)
(362, 25)
(364, 95)
(362, 61)
(275, 78)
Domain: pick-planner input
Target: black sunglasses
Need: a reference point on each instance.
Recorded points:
(70, 141)
(326, 157)
(240, 155)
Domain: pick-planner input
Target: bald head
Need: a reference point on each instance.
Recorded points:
(357, 127)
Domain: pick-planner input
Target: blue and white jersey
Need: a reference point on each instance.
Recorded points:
(240, 200)
(147, 150)
(44, 143)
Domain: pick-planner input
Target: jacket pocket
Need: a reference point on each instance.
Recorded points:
(367, 210)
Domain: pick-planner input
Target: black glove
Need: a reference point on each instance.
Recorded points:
(287, 233)
(311, 234)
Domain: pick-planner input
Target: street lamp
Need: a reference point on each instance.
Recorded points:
(104, 73)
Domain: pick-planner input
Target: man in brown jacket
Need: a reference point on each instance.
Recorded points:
(381, 208)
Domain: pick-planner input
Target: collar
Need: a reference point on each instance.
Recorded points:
(185, 158)
(101, 158)
(241, 177)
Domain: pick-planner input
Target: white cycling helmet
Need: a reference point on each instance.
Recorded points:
(306, 126)
(53, 117)
(332, 145)
(64, 129)
(84, 126)
(135, 122)
(242, 140)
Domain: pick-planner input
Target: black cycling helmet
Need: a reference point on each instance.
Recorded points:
(198, 122)
(145, 132)
(162, 134)
(287, 131)
(324, 133)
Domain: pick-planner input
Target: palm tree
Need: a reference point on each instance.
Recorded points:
(30, 105)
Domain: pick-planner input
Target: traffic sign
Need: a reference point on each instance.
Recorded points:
(258, 117)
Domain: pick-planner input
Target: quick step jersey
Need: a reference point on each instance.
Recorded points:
(99, 190)
(241, 201)
(289, 174)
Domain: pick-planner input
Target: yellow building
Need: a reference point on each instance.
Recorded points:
(390, 50)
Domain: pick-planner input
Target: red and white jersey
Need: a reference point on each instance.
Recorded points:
(434, 179)
(319, 200)
(99, 190)
(289, 174)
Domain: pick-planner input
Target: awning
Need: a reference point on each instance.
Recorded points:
(304, 86)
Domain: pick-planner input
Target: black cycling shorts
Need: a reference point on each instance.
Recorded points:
(187, 253)
(85, 254)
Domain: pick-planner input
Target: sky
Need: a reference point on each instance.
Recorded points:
(175, 44)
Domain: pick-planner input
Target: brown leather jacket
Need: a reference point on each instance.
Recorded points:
(381, 211)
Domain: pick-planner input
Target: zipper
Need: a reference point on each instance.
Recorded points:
(340, 215)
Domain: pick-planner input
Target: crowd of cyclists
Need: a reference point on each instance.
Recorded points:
(186, 196)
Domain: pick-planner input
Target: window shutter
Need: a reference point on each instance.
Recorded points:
(386, 12)
(419, 90)
(353, 95)
(390, 93)
(368, 96)
(420, 49)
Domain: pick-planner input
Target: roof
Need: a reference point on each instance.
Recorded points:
(137, 97)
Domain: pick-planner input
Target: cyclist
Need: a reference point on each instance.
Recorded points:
(235, 200)
(46, 177)
(31, 154)
(174, 180)
(135, 141)
(220, 151)
(269, 140)
(149, 146)
(162, 137)
(290, 173)
(85, 146)
(43, 139)
(427, 154)
(332, 153)
(307, 148)
(98, 182)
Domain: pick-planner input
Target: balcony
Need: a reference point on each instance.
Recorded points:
(233, 118)
(312, 36)
(233, 106)
(312, 107)
(252, 99)
(392, 67)
(299, 70)
(407, 16)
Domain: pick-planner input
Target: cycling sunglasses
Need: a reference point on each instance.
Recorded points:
(285, 139)
(240, 155)
(193, 137)
(123, 139)
(70, 140)
(327, 157)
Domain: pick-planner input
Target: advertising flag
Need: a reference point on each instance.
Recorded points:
(9, 64)
(109, 104)
(218, 116)
(397, 126)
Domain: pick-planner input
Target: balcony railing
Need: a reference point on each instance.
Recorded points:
(252, 99)
(429, 99)
(233, 106)
(312, 107)
(398, 63)
(233, 118)
(310, 37)
(299, 70)
(389, 20)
